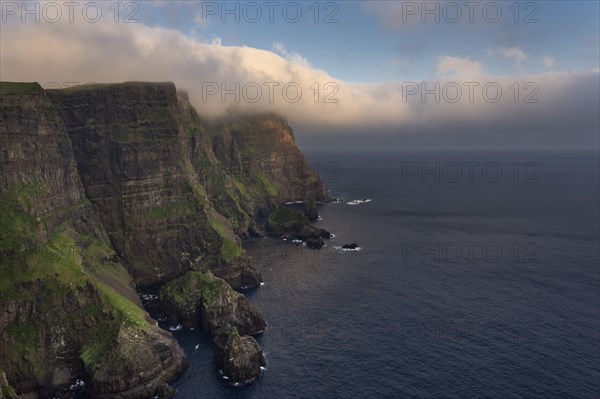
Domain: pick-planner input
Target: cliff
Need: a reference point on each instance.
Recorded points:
(261, 151)
(106, 188)
(68, 307)
(175, 193)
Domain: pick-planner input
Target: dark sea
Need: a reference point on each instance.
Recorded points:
(477, 277)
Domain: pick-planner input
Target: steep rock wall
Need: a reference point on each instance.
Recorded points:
(66, 300)
(109, 187)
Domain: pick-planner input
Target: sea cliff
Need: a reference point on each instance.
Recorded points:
(110, 188)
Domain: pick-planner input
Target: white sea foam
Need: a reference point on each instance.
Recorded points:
(177, 328)
(347, 249)
(148, 297)
(77, 385)
(359, 201)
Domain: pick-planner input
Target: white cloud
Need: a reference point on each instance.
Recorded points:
(108, 52)
(280, 49)
(455, 67)
(548, 62)
(513, 53)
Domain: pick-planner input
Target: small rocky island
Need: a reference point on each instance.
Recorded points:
(289, 224)
(111, 188)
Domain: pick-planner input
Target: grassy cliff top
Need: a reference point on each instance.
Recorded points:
(130, 85)
(19, 88)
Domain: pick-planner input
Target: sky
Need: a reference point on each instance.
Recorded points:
(369, 75)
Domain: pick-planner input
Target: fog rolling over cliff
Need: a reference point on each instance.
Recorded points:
(106, 188)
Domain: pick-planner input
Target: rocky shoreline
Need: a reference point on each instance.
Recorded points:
(111, 188)
(289, 224)
(211, 301)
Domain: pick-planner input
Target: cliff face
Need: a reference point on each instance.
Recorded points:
(67, 304)
(130, 148)
(112, 186)
(262, 150)
(171, 190)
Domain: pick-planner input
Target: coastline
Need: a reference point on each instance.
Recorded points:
(148, 194)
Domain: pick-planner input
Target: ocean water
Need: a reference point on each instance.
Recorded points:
(479, 285)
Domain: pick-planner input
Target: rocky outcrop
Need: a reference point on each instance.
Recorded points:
(316, 243)
(116, 349)
(227, 307)
(203, 298)
(239, 357)
(68, 307)
(241, 274)
(140, 364)
(287, 223)
(226, 315)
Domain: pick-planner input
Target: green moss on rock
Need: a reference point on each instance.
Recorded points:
(284, 220)
(231, 247)
(286, 216)
(196, 296)
(18, 227)
(19, 88)
(6, 391)
(183, 295)
(180, 209)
